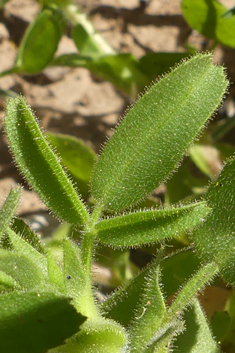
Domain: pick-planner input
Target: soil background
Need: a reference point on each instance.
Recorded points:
(73, 101)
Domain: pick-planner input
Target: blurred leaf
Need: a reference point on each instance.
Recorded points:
(40, 41)
(197, 337)
(123, 70)
(223, 128)
(156, 64)
(77, 157)
(176, 269)
(148, 145)
(206, 158)
(214, 239)
(8, 209)
(207, 17)
(220, 325)
(40, 165)
(149, 313)
(35, 322)
(149, 226)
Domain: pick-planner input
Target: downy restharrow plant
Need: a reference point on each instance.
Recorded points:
(51, 307)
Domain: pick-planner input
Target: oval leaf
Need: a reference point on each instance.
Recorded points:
(40, 41)
(39, 164)
(149, 143)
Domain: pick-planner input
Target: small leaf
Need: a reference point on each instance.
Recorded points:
(208, 18)
(7, 282)
(149, 314)
(123, 303)
(55, 274)
(39, 164)
(25, 232)
(21, 269)
(77, 284)
(35, 322)
(40, 41)
(149, 226)
(214, 239)
(206, 158)
(22, 247)
(197, 337)
(151, 140)
(76, 157)
(8, 209)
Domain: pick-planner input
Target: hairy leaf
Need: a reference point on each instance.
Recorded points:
(214, 239)
(8, 209)
(39, 164)
(151, 140)
(197, 337)
(149, 226)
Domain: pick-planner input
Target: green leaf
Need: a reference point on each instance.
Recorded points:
(21, 269)
(55, 274)
(77, 157)
(123, 70)
(25, 232)
(149, 143)
(176, 269)
(40, 41)
(207, 17)
(214, 239)
(7, 282)
(194, 285)
(77, 284)
(35, 322)
(206, 158)
(98, 336)
(22, 247)
(149, 314)
(197, 338)
(156, 64)
(122, 304)
(8, 209)
(40, 165)
(220, 324)
(149, 226)
(87, 40)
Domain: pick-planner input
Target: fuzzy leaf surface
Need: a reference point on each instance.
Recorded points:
(40, 41)
(197, 337)
(77, 284)
(214, 239)
(98, 336)
(76, 157)
(35, 322)
(8, 209)
(149, 143)
(148, 315)
(25, 232)
(149, 226)
(207, 17)
(39, 164)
